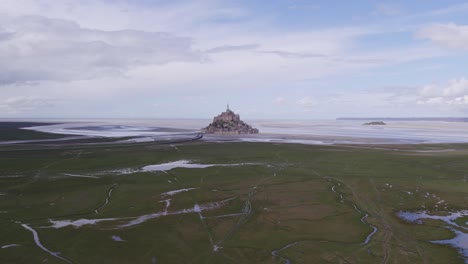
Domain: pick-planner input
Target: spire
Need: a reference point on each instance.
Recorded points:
(227, 109)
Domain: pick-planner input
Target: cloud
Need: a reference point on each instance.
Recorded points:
(446, 99)
(449, 96)
(449, 35)
(461, 102)
(178, 15)
(296, 55)
(303, 5)
(454, 93)
(68, 51)
(83, 52)
(5, 35)
(228, 48)
(19, 104)
(387, 9)
(306, 102)
(279, 100)
(39, 48)
(449, 10)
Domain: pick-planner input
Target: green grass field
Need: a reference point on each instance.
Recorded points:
(286, 203)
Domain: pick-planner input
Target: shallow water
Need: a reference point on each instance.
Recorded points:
(12, 176)
(176, 164)
(416, 217)
(460, 241)
(117, 239)
(80, 176)
(305, 131)
(363, 220)
(41, 246)
(185, 164)
(8, 246)
(133, 221)
(103, 129)
(106, 202)
(170, 193)
(276, 253)
(79, 223)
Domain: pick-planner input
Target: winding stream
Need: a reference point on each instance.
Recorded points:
(8, 246)
(39, 244)
(171, 193)
(186, 164)
(275, 253)
(363, 220)
(197, 208)
(109, 195)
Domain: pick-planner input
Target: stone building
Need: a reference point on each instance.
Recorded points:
(229, 123)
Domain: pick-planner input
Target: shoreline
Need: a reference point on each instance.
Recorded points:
(313, 133)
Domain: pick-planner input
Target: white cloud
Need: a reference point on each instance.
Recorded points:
(231, 48)
(461, 101)
(449, 35)
(388, 9)
(452, 94)
(101, 53)
(456, 87)
(306, 102)
(249, 53)
(447, 99)
(177, 15)
(449, 10)
(41, 48)
(279, 100)
(73, 50)
(19, 104)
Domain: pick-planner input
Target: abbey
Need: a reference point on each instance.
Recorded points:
(229, 122)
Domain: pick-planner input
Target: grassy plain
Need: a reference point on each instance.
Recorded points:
(282, 196)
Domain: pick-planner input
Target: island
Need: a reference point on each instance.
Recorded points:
(229, 123)
(374, 123)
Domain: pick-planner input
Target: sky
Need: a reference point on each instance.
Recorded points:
(291, 59)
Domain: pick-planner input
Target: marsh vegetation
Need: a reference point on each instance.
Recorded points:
(280, 203)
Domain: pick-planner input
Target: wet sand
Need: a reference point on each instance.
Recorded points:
(316, 132)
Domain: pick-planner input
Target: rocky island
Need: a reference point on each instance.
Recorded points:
(229, 123)
(374, 123)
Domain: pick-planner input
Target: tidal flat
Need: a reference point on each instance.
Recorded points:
(278, 203)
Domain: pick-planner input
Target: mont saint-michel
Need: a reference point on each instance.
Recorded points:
(229, 123)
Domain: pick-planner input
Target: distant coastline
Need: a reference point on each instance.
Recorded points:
(274, 131)
(446, 119)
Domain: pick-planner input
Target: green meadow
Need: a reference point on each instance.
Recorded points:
(280, 203)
